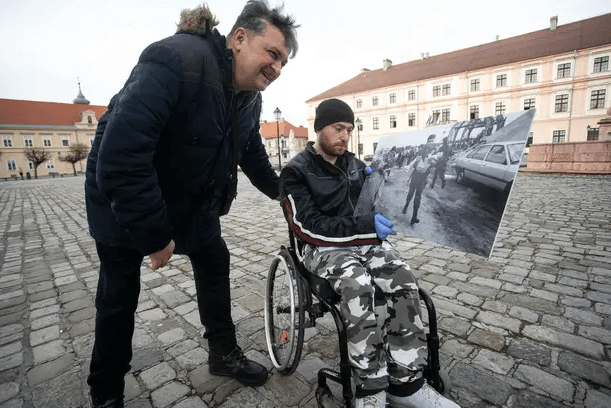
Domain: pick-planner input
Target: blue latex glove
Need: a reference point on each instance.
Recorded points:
(383, 225)
(368, 170)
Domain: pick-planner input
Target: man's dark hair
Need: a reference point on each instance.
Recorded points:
(257, 12)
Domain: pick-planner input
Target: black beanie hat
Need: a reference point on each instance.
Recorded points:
(332, 111)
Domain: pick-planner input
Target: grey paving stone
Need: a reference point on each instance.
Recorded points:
(597, 399)
(8, 390)
(486, 338)
(49, 370)
(584, 368)
(556, 386)
(145, 357)
(480, 383)
(169, 393)
(527, 350)
(62, 391)
(48, 351)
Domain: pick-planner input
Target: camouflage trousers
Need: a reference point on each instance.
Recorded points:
(386, 341)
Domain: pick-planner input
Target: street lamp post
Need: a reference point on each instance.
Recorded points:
(358, 122)
(277, 115)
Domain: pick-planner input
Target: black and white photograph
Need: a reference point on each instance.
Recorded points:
(448, 184)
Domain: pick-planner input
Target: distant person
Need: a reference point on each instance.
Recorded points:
(162, 170)
(440, 167)
(21, 173)
(320, 187)
(420, 169)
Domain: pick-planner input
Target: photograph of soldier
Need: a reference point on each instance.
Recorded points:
(476, 162)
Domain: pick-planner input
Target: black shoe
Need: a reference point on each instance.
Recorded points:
(236, 365)
(415, 220)
(116, 402)
(404, 210)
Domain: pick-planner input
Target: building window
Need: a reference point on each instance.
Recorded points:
(474, 85)
(375, 146)
(27, 141)
(474, 114)
(445, 89)
(529, 141)
(46, 141)
(601, 64)
(499, 108)
(392, 98)
(558, 136)
(411, 119)
(393, 122)
(529, 103)
(10, 165)
(360, 126)
(531, 76)
(435, 116)
(501, 80)
(376, 123)
(7, 141)
(30, 165)
(564, 70)
(597, 100)
(359, 103)
(89, 120)
(411, 95)
(592, 134)
(65, 141)
(436, 90)
(445, 115)
(50, 164)
(562, 103)
(374, 101)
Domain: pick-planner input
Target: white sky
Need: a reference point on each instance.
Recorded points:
(46, 45)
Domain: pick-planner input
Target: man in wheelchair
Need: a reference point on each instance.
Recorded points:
(320, 187)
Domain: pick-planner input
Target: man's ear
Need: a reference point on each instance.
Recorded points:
(239, 36)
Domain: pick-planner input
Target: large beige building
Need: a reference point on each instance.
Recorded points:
(562, 71)
(51, 126)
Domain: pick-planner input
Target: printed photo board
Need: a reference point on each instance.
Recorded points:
(448, 184)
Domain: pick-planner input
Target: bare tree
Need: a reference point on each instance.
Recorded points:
(37, 157)
(76, 153)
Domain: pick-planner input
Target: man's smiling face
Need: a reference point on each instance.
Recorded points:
(259, 58)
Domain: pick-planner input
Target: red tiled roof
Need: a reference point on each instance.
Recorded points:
(566, 38)
(269, 130)
(20, 112)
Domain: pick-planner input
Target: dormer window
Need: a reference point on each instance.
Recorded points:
(89, 120)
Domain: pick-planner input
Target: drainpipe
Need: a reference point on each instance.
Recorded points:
(568, 133)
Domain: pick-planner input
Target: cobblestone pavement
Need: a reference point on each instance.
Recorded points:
(529, 327)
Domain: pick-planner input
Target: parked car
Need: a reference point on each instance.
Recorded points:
(368, 159)
(493, 164)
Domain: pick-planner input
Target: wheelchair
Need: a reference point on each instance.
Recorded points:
(295, 298)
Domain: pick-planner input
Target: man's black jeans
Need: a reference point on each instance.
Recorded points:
(117, 300)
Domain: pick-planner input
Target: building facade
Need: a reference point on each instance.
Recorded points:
(562, 71)
(51, 126)
(290, 138)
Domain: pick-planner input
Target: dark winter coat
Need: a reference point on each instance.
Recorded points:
(162, 154)
(319, 199)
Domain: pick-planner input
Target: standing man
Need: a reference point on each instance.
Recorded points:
(320, 187)
(421, 167)
(440, 167)
(161, 172)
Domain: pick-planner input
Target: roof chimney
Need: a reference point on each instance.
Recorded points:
(386, 64)
(421, 55)
(365, 70)
(497, 37)
(553, 23)
(427, 55)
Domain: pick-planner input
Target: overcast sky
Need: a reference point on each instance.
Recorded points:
(46, 45)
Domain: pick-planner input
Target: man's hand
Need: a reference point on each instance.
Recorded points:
(383, 225)
(161, 258)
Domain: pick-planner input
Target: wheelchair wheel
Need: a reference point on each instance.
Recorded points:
(284, 313)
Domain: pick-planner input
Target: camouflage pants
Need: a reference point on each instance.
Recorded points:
(386, 343)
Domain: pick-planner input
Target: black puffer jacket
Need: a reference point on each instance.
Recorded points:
(155, 150)
(319, 200)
